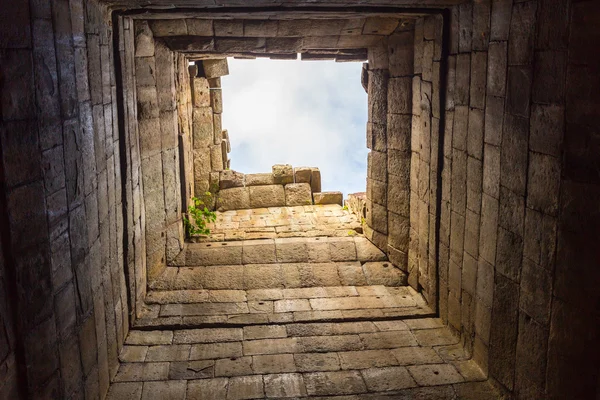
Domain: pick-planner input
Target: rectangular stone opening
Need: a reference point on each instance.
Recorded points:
(176, 66)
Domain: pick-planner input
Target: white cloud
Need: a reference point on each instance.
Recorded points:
(304, 113)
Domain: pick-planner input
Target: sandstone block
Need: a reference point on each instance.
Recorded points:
(298, 194)
(384, 273)
(366, 251)
(144, 42)
(215, 68)
(224, 157)
(168, 27)
(315, 180)
(199, 27)
(202, 254)
(218, 132)
(216, 158)
(260, 179)
(302, 175)
(283, 174)
(202, 127)
(267, 196)
(229, 179)
(233, 199)
(200, 93)
(328, 198)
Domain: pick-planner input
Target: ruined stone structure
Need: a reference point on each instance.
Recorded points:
(477, 275)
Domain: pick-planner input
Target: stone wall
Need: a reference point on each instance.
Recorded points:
(284, 186)
(62, 207)
(158, 123)
(520, 197)
(210, 142)
(424, 145)
(389, 86)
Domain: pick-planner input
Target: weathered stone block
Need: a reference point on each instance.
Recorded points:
(377, 166)
(521, 37)
(298, 194)
(200, 93)
(509, 254)
(377, 192)
(147, 100)
(260, 179)
(400, 53)
(478, 79)
(465, 19)
(216, 100)
(150, 136)
(543, 183)
(199, 27)
(500, 19)
(189, 43)
(328, 198)
(398, 231)
(512, 211)
(144, 41)
(461, 127)
(503, 336)
(399, 96)
(267, 196)
(216, 158)
(260, 28)
(315, 180)
(283, 174)
(513, 161)
(168, 27)
(202, 127)
(398, 195)
(536, 291)
(302, 174)
(376, 136)
(229, 28)
(549, 77)
(233, 199)
(215, 68)
(377, 218)
(475, 134)
(463, 77)
(518, 94)
(378, 96)
(398, 132)
(496, 73)
(230, 178)
(494, 115)
(491, 170)
(546, 129)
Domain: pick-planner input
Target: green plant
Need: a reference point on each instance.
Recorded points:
(345, 208)
(201, 216)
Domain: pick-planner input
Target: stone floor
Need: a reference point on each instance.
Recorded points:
(410, 359)
(281, 222)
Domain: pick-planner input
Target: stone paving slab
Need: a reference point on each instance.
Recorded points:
(299, 360)
(284, 222)
(261, 306)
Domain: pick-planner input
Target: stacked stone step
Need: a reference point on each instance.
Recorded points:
(267, 251)
(382, 359)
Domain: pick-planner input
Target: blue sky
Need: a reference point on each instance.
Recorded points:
(304, 113)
